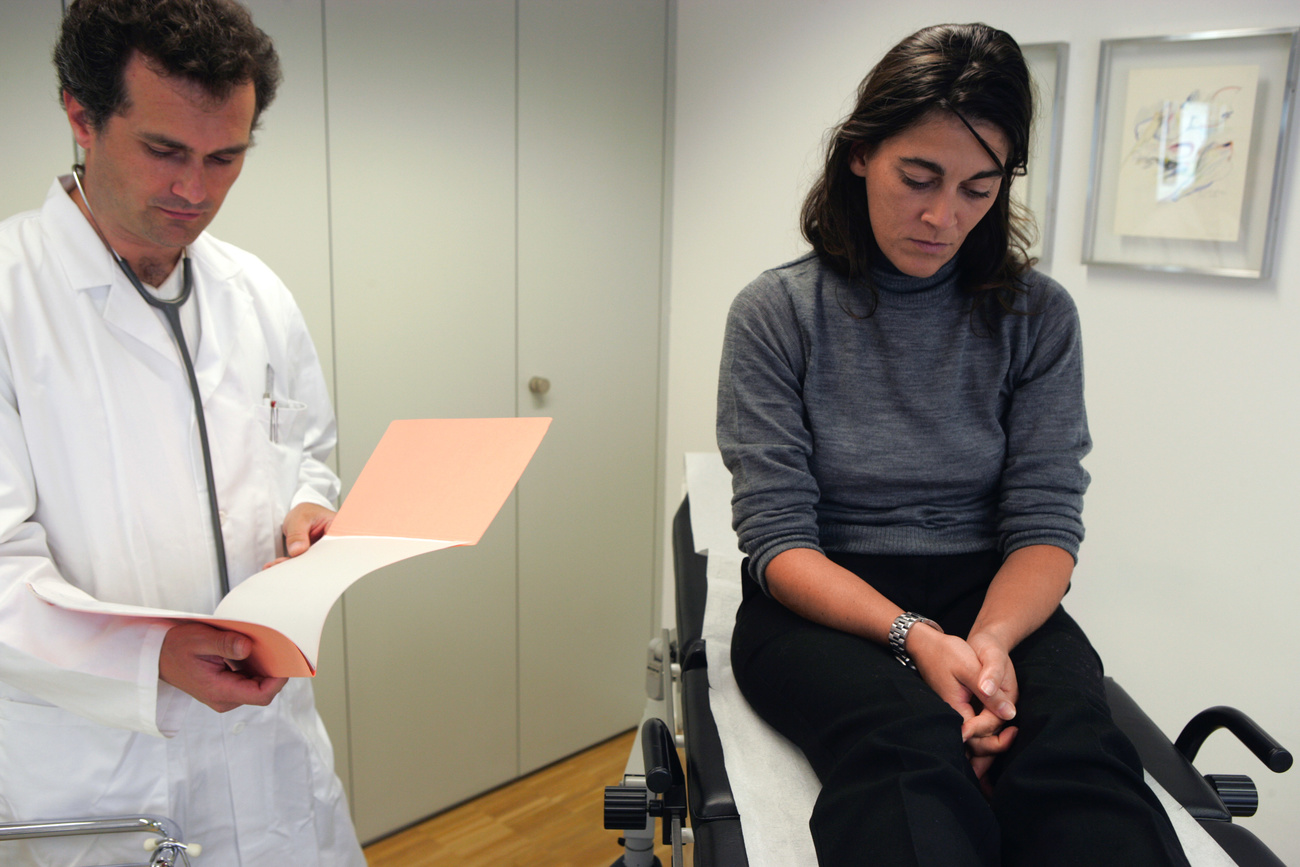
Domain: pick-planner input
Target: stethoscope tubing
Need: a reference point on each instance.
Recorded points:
(171, 310)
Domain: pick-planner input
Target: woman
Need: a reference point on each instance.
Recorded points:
(902, 413)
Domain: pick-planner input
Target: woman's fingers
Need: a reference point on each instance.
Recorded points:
(981, 725)
(996, 686)
(992, 745)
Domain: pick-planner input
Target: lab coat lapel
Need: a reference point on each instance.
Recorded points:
(225, 309)
(226, 314)
(126, 310)
(89, 267)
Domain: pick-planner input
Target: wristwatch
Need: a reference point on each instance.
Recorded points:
(898, 635)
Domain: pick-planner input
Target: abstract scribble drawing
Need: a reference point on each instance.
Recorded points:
(1185, 148)
(1188, 144)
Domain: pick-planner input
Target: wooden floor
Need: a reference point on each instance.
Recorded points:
(553, 817)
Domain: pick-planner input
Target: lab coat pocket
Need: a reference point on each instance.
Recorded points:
(102, 771)
(285, 424)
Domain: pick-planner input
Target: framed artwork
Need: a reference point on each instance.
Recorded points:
(1189, 151)
(1037, 190)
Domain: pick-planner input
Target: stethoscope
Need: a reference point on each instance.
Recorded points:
(171, 310)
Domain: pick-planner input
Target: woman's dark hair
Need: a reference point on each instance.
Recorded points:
(212, 43)
(972, 71)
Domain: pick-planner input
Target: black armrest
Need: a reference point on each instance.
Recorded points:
(706, 772)
(1162, 760)
(1242, 846)
(1255, 739)
(720, 844)
(719, 841)
(690, 570)
(714, 818)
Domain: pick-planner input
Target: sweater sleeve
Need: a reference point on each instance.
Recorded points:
(1043, 479)
(761, 426)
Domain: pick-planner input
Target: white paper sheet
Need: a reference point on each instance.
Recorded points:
(293, 597)
(426, 478)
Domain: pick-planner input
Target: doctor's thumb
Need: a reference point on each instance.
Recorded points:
(234, 646)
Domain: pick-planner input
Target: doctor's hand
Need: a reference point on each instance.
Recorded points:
(196, 659)
(303, 527)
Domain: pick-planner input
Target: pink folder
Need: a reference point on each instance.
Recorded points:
(429, 484)
(439, 478)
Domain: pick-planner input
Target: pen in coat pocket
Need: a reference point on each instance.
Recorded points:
(272, 432)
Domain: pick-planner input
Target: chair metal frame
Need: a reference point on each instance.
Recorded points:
(166, 845)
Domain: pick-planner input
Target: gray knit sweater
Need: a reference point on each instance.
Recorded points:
(915, 430)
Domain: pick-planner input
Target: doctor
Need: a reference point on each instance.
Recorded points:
(103, 476)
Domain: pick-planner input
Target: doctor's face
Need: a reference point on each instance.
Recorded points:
(158, 171)
(927, 187)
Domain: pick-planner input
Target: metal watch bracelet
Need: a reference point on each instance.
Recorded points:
(898, 635)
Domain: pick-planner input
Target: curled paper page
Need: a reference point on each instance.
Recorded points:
(429, 484)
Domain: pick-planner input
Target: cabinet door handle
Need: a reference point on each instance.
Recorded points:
(539, 385)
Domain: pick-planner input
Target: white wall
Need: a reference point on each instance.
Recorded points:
(1186, 581)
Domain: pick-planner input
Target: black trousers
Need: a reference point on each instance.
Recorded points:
(897, 787)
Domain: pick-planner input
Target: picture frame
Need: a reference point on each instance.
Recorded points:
(1037, 191)
(1189, 151)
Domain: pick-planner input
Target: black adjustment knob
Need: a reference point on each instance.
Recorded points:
(1237, 792)
(626, 808)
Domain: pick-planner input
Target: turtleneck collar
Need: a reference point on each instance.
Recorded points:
(887, 278)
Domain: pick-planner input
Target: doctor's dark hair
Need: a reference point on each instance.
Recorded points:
(212, 43)
(972, 71)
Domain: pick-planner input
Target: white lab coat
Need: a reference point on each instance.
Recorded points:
(102, 485)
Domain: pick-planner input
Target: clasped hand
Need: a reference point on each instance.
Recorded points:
(976, 678)
(204, 661)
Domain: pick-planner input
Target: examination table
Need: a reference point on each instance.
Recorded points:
(747, 793)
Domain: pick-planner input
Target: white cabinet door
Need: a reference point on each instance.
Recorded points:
(35, 140)
(279, 210)
(495, 200)
(421, 103)
(591, 168)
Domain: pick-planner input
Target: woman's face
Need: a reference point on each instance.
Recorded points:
(927, 187)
